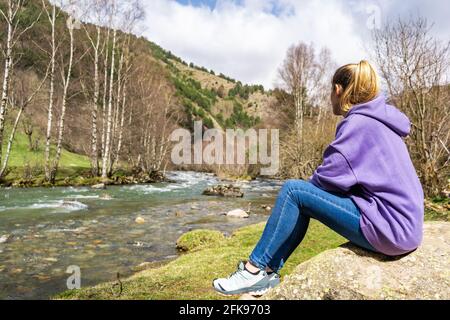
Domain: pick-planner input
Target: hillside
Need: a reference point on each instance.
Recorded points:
(201, 94)
(217, 99)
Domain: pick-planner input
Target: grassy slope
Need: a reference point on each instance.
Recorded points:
(190, 276)
(21, 157)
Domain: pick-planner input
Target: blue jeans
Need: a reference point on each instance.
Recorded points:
(297, 202)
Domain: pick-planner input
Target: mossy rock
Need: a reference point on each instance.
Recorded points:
(197, 239)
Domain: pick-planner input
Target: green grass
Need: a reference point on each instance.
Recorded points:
(24, 162)
(21, 155)
(190, 275)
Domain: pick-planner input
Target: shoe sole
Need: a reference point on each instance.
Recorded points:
(257, 292)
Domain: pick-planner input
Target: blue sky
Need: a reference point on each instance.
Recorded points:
(248, 39)
(197, 3)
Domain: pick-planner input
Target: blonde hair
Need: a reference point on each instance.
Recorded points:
(360, 84)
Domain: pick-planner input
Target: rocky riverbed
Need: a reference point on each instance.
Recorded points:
(44, 231)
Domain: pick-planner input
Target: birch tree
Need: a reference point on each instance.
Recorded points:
(13, 34)
(51, 16)
(66, 78)
(96, 13)
(304, 77)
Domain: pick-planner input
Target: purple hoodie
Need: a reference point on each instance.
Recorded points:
(369, 162)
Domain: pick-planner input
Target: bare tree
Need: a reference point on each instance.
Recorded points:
(303, 92)
(124, 16)
(96, 14)
(296, 73)
(51, 15)
(414, 67)
(66, 77)
(13, 34)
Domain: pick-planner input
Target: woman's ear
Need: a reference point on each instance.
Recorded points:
(338, 89)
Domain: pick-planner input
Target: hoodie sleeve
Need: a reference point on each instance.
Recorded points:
(335, 173)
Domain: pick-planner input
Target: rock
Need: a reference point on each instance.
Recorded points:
(267, 208)
(5, 238)
(140, 220)
(351, 273)
(180, 214)
(106, 197)
(100, 186)
(238, 213)
(224, 191)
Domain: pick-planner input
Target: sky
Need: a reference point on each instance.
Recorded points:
(248, 39)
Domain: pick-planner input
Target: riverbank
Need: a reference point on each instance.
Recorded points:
(210, 256)
(78, 177)
(190, 275)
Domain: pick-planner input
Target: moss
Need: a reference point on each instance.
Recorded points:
(190, 275)
(197, 239)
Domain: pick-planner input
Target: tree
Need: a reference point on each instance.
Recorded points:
(14, 32)
(303, 91)
(414, 67)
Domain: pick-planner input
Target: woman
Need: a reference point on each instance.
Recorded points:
(367, 189)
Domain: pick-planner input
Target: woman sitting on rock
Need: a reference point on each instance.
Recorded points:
(367, 189)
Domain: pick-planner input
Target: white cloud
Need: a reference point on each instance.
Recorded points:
(248, 42)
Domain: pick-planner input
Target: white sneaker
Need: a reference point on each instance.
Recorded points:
(243, 281)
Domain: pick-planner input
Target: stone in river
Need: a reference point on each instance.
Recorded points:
(224, 191)
(5, 238)
(100, 186)
(106, 197)
(16, 271)
(238, 213)
(140, 220)
(179, 214)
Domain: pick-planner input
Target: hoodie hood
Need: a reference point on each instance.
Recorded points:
(390, 116)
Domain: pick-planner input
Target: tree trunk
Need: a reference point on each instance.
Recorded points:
(94, 149)
(48, 174)
(6, 77)
(63, 108)
(10, 142)
(107, 155)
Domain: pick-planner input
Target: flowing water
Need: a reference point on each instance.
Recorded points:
(44, 231)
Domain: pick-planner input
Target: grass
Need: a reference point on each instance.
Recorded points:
(190, 275)
(27, 164)
(21, 155)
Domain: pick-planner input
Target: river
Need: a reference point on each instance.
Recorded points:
(44, 231)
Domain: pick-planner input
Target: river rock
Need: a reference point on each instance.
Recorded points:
(351, 273)
(106, 197)
(5, 238)
(180, 214)
(238, 213)
(100, 186)
(140, 220)
(224, 191)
